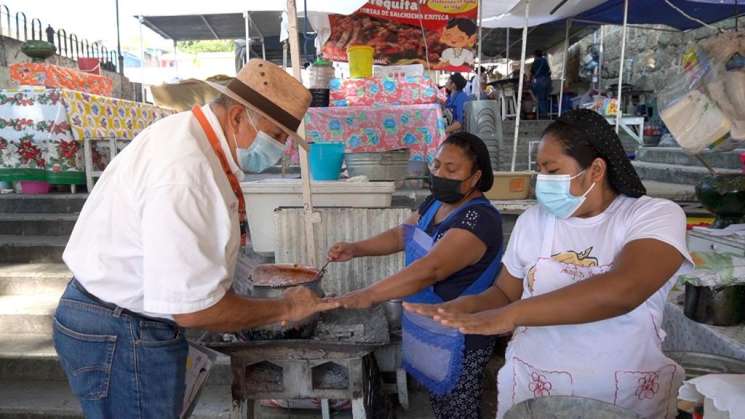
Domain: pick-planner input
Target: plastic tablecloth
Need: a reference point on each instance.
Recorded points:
(420, 128)
(686, 335)
(41, 130)
(50, 75)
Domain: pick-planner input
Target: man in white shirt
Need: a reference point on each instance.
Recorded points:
(155, 247)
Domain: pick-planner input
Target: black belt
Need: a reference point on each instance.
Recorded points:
(113, 307)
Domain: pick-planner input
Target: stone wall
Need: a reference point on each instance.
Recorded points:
(10, 53)
(652, 57)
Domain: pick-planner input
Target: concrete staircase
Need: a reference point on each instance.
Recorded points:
(530, 131)
(673, 174)
(33, 233)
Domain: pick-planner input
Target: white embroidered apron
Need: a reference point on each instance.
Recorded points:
(618, 360)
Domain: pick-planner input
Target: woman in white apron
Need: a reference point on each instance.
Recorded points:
(584, 280)
(453, 246)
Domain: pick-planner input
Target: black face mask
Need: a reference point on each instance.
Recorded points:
(446, 190)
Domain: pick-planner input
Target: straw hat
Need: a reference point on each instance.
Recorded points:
(269, 90)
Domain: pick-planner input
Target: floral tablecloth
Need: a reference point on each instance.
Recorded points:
(100, 117)
(409, 90)
(41, 132)
(420, 128)
(50, 75)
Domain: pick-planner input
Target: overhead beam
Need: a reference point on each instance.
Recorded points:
(204, 19)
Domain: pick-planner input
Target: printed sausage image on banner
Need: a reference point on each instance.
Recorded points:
(440, 34)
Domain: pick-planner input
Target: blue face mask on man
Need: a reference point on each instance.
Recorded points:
(262, 154)
(553, 192)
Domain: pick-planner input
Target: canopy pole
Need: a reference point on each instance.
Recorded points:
(478, 95)
(119, 56)
(143, 92)
(284, 55)
(564, 65)
(623, 58)
(310, 241)
(520, 86)
(507, 52)
(600, 58)
(248, 38)
(175, 55)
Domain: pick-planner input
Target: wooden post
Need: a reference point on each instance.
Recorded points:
(520, 87)
(310, 242)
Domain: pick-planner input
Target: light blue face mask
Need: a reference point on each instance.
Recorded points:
(552, 191)
(262, 154)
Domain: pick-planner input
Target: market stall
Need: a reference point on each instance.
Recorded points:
(44, 130)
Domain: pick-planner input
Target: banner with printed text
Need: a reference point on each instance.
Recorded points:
(440, 34)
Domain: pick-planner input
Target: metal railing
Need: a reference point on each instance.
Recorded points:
(68, 45)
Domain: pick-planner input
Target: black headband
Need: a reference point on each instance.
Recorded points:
(603, 138)
(263, 104)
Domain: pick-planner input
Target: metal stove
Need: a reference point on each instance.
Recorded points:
(340, 361)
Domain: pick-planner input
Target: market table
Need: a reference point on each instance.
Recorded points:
(420, 128)
(629, 122)
(43, 133)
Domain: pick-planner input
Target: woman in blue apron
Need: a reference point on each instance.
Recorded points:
(585, 279)
(453, 247)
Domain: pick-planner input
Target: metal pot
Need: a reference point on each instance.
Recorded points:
(379, 166)
(271, 281)
(724, 195)
(393, 310)
(555, 407)
(697, 364)
(716, 306)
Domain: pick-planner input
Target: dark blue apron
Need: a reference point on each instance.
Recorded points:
(432, 353)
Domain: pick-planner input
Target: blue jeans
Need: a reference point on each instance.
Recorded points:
(542, 91)
(119, 364)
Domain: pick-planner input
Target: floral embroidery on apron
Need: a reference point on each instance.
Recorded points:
(628, 367)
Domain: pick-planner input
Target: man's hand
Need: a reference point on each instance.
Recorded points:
(302, 302)
(491, 322)
(341, 252)
(359, 299)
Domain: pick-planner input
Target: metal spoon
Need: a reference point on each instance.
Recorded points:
(322, 272)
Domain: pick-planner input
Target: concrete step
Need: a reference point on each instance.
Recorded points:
(37, 224)
(39, 399)
(671, 191)
(26, 399)
(27, 314)
(31, 249)
(50, 203)
(676, 155)
(33, 278)
(669, 173)
(32, 357)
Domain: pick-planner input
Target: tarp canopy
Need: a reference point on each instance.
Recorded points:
(180, 7)
(659, 12)
(197, 27)
(541, 12)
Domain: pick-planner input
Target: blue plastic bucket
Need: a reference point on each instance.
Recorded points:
(326, 160)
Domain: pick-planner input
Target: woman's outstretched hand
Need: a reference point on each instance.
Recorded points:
(491, 322)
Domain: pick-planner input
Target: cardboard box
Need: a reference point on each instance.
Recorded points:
(510, 186)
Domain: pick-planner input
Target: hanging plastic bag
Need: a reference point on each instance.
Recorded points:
(725, 83)
(690, 115)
